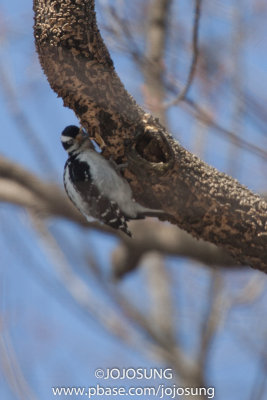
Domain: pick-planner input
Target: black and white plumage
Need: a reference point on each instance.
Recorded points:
(95, 186)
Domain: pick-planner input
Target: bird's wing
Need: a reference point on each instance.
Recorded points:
(93, 203)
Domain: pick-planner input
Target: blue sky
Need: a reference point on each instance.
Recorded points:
(54, 341)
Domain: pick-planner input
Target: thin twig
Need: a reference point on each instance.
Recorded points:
(193, 65)
(112, 320)
(207, 119)
(141, 59)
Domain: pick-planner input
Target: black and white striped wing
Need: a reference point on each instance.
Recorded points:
(87, 198)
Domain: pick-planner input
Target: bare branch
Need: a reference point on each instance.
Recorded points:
(253, 108)
(153, 64)
(151, 236)
(160, 312)
(80, 292)
(193, 65)
(218, 306)
(203, 201)
(207, 119)
(20, 187)
(185, 367)
(110, 319)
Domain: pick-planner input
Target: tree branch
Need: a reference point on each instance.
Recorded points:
(20, 187)
(201, 200)
(153, 63)
(193, 65)
(168, 240)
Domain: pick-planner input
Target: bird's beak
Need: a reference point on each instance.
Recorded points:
(81, 136)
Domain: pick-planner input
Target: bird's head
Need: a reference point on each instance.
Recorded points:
(74, 139)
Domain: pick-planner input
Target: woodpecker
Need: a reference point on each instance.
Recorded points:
(95, 186)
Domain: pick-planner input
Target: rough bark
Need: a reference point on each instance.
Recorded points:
(20, 187)
(201, 200)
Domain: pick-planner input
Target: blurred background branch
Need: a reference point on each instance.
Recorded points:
(77, 295)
